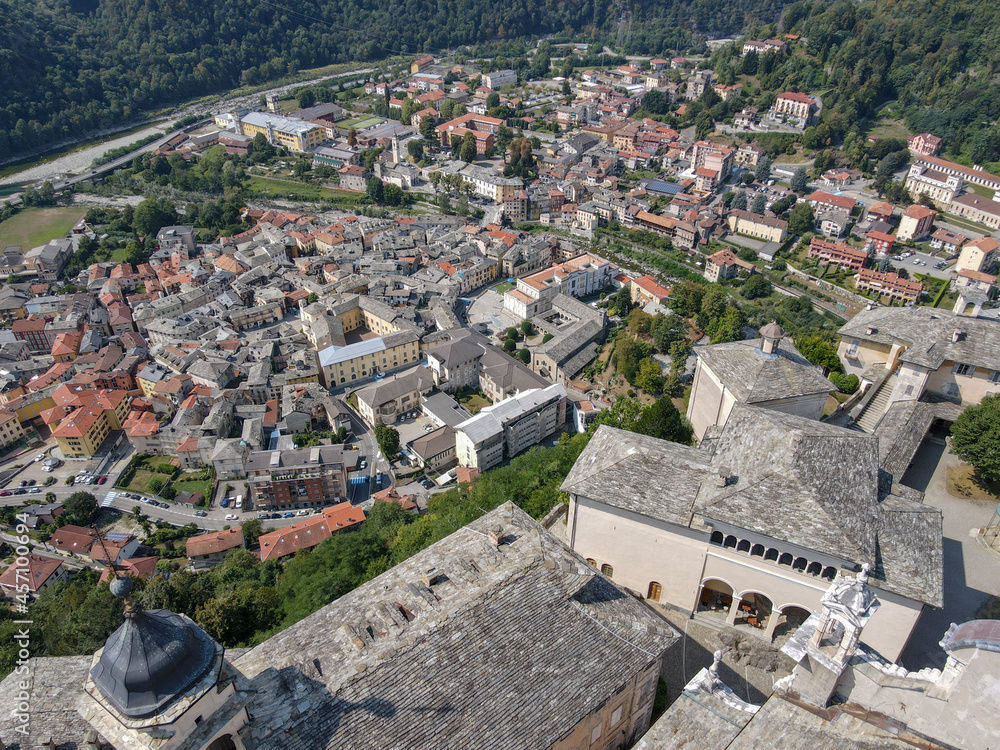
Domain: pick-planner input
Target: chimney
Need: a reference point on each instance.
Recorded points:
(871, 330)
(724, 474)
(496, 534)
(957, 336)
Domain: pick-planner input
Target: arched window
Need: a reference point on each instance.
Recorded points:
(730, 541)
(225, 742)
(717, 537)
(592, 561)
(814, 569)
(785, 559)
(771, 554)
(743, 546)
(608, 570)
(757, 550)
(654, 591)
(829, 573)
(799, 564)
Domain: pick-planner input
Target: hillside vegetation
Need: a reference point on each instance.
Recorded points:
(72, 66)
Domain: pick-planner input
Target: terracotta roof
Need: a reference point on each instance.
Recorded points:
(307, 534)
(40, 569)
(137, 567)
(218, 541)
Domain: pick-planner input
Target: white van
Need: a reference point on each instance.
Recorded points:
(239, 502)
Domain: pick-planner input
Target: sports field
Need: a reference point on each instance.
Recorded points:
(32, 227)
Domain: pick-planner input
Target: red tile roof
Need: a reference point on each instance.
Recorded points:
(218, 541)
(40, 569)
(307, 534)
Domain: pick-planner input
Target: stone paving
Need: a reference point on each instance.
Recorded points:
(971, 572)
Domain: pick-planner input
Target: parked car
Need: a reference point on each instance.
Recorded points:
(289, 514)
(200, 513)
(40, 456)
(225, 502)
(263, 516)
(303, 513)
(33, 490)
(102, 479)
(31, 483)
(163, 505)
(6, 493)
(21, 491)
(232, 517)
(275, 515)
(23, 483)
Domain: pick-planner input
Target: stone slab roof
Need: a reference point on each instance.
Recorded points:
(435, 652)
(626, 470)
(928, 335)
(754, 377)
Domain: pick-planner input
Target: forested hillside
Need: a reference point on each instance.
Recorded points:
(70, 66)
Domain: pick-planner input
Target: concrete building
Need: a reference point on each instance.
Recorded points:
(916, 222)
(301, 478)
(976, 208)
(510, 426)
(499, 78)
(976, 255)
(838, 254)
(768, 372)
(750, 529)
(389, 400)
(32, 578)
(796, 105)
(890, 285)
(85, 419)
(288, 132)
(767, 228)
(577, 277)
(725, 265)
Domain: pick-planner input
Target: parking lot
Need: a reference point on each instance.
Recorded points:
(923, 263)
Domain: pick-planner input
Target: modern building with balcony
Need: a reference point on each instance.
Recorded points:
(303, 478)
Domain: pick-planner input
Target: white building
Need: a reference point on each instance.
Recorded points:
(499, 78)
(510, 426)
(576, 277)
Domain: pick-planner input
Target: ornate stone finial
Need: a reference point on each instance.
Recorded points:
(863, 574)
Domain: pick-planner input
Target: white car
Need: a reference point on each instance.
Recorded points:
(232, 517)
(40, 456)
(303, 513)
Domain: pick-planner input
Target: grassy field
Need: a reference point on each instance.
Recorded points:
(503, 287)
(32, 227)
(475, 402)
(141, 478)
(298, 190)
(886, 127)
(193, 481)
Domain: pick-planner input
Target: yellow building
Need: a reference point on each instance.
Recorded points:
(289, 132)
(346, 364)
(976, 254)
(10, 428)
(767, 228)
(90, 415)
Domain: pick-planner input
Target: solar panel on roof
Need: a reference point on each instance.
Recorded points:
(116, 536)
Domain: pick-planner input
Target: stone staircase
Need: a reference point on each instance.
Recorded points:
(868, 420)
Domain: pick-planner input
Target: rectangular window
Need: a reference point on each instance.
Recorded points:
(852, 350)
(595, 734)
(995, 376)
(961, 369)
(616, 716)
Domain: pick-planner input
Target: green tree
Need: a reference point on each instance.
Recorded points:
(374, 189)
(524, 355)
(527, 327)
(621, 302)
(650, 376)
(845, 383)
(801, 219)
(415, 148)
(739, 202)
(313, 297)
(305, 98)
(252, 529)
(820, 350)
(81, 507)
(352, 137)
(261, 148)
(763, 171)
(975, 437)
(756, 286)
(679, 353)
(685, 298)
(152, 215)
(800, 180)
(392, 194)
(509, 346)
(662, 420)
(388, 440)
(759, 204)
(467, 152)
(154, 484)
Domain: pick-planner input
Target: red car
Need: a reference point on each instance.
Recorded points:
(102, 480)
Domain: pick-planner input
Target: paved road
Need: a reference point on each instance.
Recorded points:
(971, 572)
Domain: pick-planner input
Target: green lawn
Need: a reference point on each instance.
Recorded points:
(193, 481)
(475, 402)
(141, 478)
(503, 287)
(32, 227)
(296, 190)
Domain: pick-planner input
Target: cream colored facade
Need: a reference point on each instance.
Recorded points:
(755, 225)
(637, 552)
(711, 402)
(354, 367)
(296, 135)
(975, 255)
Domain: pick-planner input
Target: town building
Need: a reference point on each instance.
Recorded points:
(483, 129)
(838, 254)
(646, 289)
(310, 532)
(288, 132)
(923, 144)
(768, 372)
(10, 428)
(510, 426)
(888, 284)
(977, 255)
(499, 78)
(31, 574)
(916, 223)
(976, 208)
(85, 418)
(795, 105)
(749, 530)
(207, 550)
(767, 228)
(822, 201)
(298, 478)
(390, 400)
(725, 265)
(915, 350)
(577, 277)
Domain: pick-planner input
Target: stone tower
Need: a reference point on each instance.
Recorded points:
(825, 643)
(770, 337)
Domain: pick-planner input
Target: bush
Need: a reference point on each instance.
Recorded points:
(546, 338)
(165, 469)
(845, 383)
(524, 355)
(155, 484)
(509, 345)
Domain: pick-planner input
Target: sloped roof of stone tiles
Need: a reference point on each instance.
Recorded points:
(754, 377)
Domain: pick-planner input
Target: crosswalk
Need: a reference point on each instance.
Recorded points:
(109, 499)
